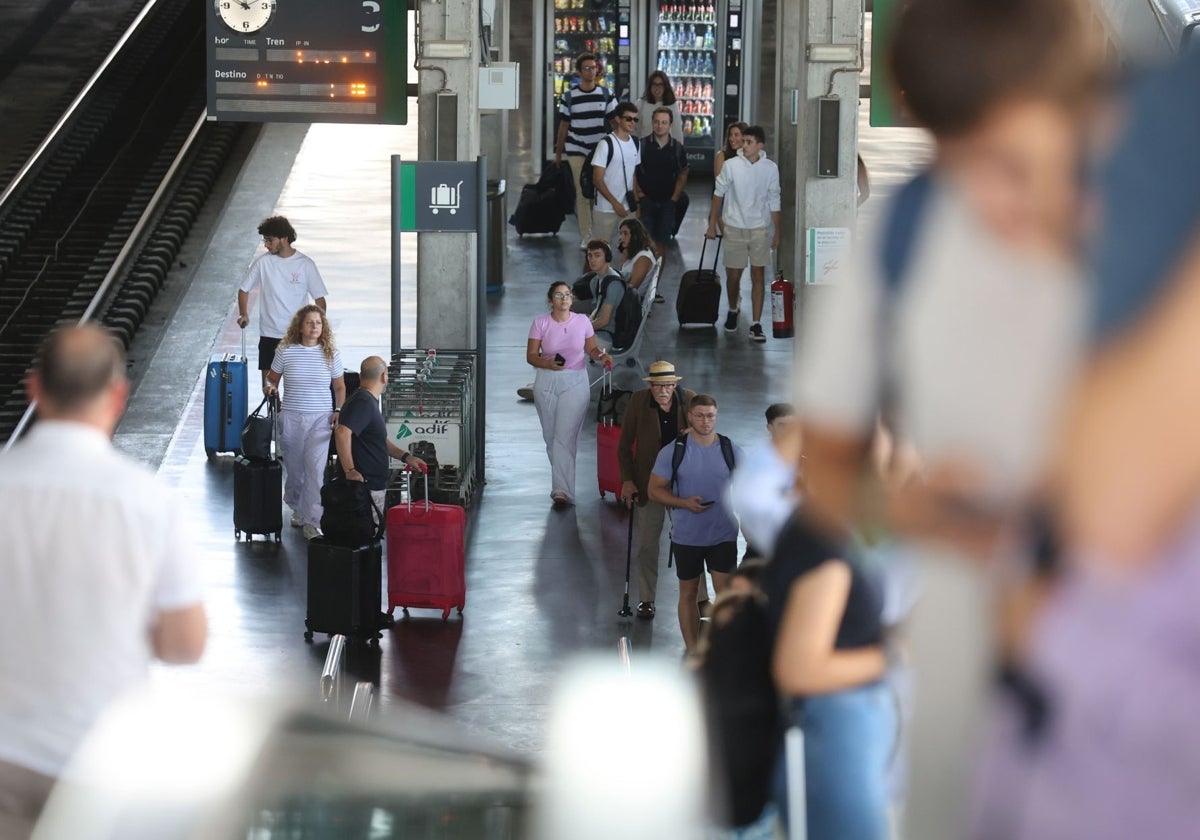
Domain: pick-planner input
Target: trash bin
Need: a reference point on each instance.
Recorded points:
(496, 235)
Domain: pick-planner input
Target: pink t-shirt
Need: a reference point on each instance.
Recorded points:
(564, 338)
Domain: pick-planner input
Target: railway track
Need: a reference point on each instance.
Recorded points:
(92, 223)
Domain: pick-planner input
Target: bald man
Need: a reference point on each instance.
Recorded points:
(99, 572)
(361, 437)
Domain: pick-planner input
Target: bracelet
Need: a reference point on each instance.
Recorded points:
(337, 411)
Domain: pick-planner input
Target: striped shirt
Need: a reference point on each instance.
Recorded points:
(306, 377)
(587, 116)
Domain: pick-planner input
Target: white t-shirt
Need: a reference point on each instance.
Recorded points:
(763, 495)
(95, 547)
(627, 268)
(287, 284)
(985, 343)
(618, 173)
(307, 375)
(750, 192)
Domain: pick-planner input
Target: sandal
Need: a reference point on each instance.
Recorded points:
(560, 501)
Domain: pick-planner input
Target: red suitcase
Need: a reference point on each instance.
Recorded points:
(609, 411)
(608, 469)
(425, 555)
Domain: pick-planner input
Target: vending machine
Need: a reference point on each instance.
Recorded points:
(603, 27)
(700, 45)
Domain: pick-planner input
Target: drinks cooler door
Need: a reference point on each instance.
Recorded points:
(596, 26)
(686, 37)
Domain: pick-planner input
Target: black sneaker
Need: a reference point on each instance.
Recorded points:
(731, 321)
(645, 609)
(756, 333)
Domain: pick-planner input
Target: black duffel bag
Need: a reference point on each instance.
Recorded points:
(350, 517)
(258, 430)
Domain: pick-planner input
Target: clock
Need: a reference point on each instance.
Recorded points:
(245, 16)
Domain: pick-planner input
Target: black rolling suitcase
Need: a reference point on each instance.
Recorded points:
(699, 300)
(538, 211)
(257, 498)
(345, 590)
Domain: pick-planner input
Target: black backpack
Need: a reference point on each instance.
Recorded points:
(742, 706)
(587, 175)
(628, 315)
(349, 517)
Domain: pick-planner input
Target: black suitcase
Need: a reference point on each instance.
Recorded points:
(699, 300)
(345, 590)
(257, 498)
(681, 208)
(538, 211)
(557, 176)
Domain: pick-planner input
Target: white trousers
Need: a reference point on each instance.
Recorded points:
(562, 398)
(304, 436)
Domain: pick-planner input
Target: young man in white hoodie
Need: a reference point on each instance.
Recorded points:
(746, 205)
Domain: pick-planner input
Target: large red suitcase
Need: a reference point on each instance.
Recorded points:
(608, 469)
(425, 553)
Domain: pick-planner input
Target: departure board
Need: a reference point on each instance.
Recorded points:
(342, 61)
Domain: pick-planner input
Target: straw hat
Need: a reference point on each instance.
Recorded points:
(662, 373)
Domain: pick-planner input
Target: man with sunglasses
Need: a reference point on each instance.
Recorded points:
(614, 161)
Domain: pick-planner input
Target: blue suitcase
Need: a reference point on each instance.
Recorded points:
(226, 401)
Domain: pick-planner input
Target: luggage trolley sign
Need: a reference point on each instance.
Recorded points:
(438, 196)
(339, 61)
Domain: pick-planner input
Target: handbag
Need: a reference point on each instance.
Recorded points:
(258, 430)
(350, 517)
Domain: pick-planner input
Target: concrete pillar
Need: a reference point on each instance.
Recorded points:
(447, 282)
(493, 125)
(825, 65)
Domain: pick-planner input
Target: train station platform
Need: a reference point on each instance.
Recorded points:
(542, 584)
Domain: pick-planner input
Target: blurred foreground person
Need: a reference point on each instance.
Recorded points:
(100, 574)
(962, 322)
(764, 490)
(1118, 751)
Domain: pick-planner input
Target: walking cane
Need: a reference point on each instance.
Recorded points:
(625, 612)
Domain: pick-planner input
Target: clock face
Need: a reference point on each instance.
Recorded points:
(245, 16)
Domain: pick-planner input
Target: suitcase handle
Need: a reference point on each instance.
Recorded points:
(243, 332)
(716, 254)
(410, 472)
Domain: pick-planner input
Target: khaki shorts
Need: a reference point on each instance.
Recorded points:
(742, 244)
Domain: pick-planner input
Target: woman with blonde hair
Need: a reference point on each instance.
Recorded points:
(308, 362)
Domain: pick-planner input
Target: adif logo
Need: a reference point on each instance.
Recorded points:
(403, 432)
(421, 425)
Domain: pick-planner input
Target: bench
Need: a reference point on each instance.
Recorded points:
(648, 290)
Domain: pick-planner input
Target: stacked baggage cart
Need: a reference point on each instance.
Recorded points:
(429, 407)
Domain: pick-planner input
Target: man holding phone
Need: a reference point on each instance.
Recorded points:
(690, 476)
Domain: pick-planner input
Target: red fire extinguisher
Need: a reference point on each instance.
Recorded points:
(783, 303)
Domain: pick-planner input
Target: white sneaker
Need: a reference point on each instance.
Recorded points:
(311, 532)
(296, 523)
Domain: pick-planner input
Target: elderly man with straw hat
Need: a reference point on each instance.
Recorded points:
(653, 419)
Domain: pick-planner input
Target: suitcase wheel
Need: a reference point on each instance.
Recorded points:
(387, 620)
(405, 611)
(278, 537)
(445, 613)
(210, 453)
(308, 636)
(237, 535)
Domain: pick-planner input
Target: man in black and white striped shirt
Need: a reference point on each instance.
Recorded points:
(585, 112)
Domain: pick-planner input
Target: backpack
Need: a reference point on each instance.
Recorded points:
(627, 316)
(742, 706)
(349, 517)
(587, 175)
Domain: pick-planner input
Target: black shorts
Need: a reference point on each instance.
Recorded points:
(690, 559)
(266, 351)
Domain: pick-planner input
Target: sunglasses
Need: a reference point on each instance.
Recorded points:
(631, 119)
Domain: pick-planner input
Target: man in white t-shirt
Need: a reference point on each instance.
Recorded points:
(100, 574)
(616, 157)
(286, 280)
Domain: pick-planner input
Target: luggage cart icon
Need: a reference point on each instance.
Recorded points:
(445, 197)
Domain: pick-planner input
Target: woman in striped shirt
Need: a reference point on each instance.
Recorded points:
(308, 362)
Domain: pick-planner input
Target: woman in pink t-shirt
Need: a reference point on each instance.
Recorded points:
(559, 341)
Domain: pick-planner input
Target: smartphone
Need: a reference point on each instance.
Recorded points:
(707, 502)
(559, 360)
